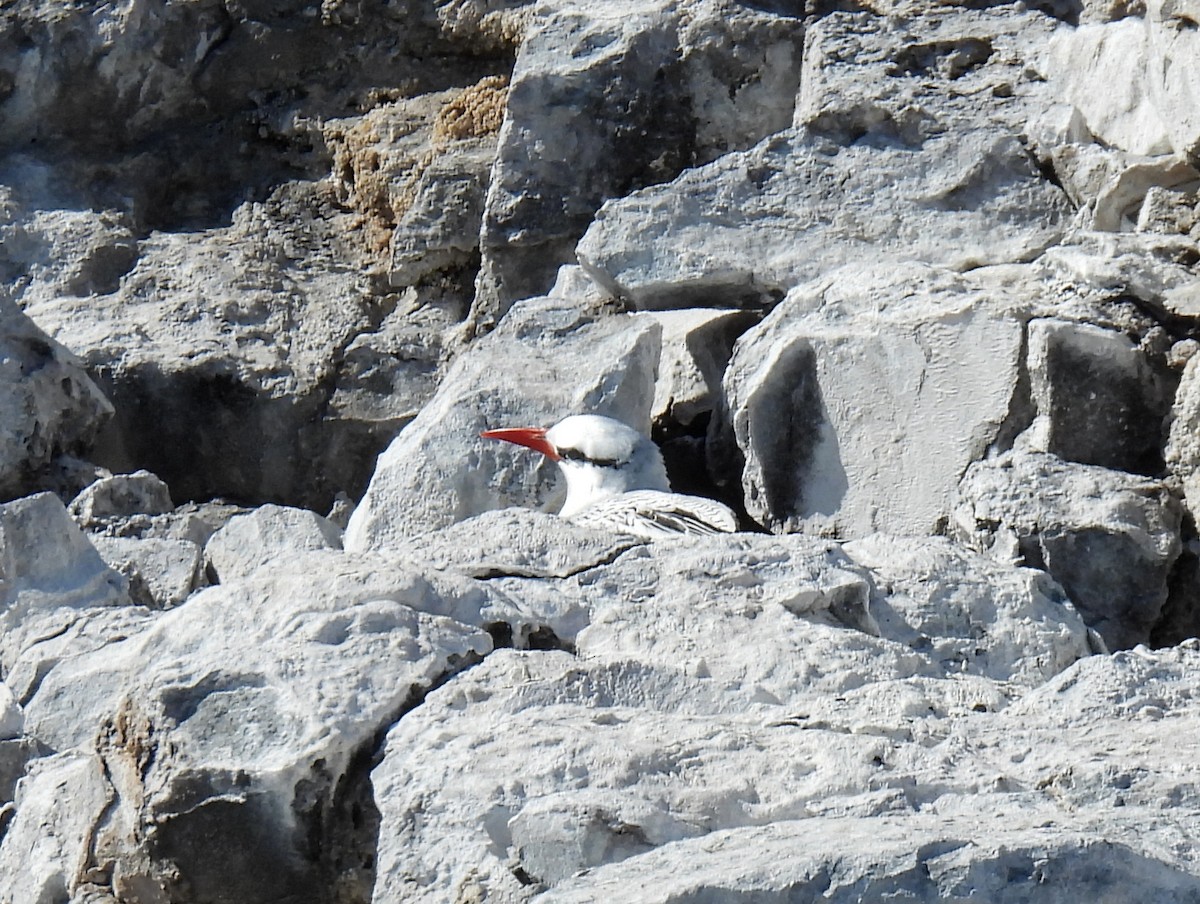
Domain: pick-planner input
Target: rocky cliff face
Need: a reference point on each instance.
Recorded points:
(914, 287)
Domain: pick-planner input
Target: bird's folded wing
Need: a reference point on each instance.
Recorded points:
(651, 513)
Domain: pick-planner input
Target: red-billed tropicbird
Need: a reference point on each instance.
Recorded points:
(616, 479)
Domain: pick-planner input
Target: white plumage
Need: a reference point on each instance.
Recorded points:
(616, 479)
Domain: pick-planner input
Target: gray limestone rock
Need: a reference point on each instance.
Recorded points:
(232, 726)
(120, 496)
(264, 536)
(235, 390)
(1134, 79)
(858, 403)
(696, 347)
(627, 94)
(549, 358)
(48, 405)
(46, 566)
(47, 849)
(718, 687)
(748, 227)
(1109, 538)
(1183, 440)
(1100, 398)
(161, 573)
(517, 542)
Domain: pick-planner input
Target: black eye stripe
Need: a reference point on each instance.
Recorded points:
(576, 455)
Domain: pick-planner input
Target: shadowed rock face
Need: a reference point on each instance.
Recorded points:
(914, 288)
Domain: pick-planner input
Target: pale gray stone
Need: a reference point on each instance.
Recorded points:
(47, 850)
(1100, 398)
(681, 802)
(161, 573)
(549, 358)
(968, 613)
(1152, 268)
(517, 543)
(231, 723)
(853, 408)
(1108, 537)
(750, 226)
(48, 568)
(119, 496)
(265, 535)
(227, 342)
(1183, 440)
(48, 404)
(696, 347)
(630, 93)
(1134, 79)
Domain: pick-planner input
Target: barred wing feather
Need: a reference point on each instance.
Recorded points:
(652, 513)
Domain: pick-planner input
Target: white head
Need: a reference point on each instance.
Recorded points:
(599, 456)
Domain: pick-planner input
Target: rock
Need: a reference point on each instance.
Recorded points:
(1116, 73)
(55, 252)
(696, 347)
(47, 850)
(47, 565)
(1101, 70)
(1174, 83)
(11, 719)
(48, 404)
(851, 409)
(546, 360)
(161, 573)
(929, 858)
(1109, 538)
(660, 785)
(1154, 269)
(119, 496)
(970, 614)
(752, 225)
(630, 94)
(517, 543)
(926, 69)
(261, 537)
(704, 661)
(235, 393)
(236, 726)
(1100, 399)
(1183, 439)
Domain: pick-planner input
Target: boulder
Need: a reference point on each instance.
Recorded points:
(49, 570)
(161, 573)
(748, 227)
(1134, 79)
(234, 392)
(234, 729)
(620, 96)
(120, 496)
(1100, 397)
(550, 357)
(1109, 538)
(262, 537)
(969, 613)
(1183, 437)
(696, 347)
(851, 408)
(47, 852)
(710, 667)
(49, 406)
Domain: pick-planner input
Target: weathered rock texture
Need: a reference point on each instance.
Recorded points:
(914, 287)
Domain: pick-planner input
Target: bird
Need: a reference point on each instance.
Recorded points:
(616, 479)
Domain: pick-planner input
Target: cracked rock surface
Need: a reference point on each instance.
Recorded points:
(913, 288)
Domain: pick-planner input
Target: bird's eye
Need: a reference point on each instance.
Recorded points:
(569, 454)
